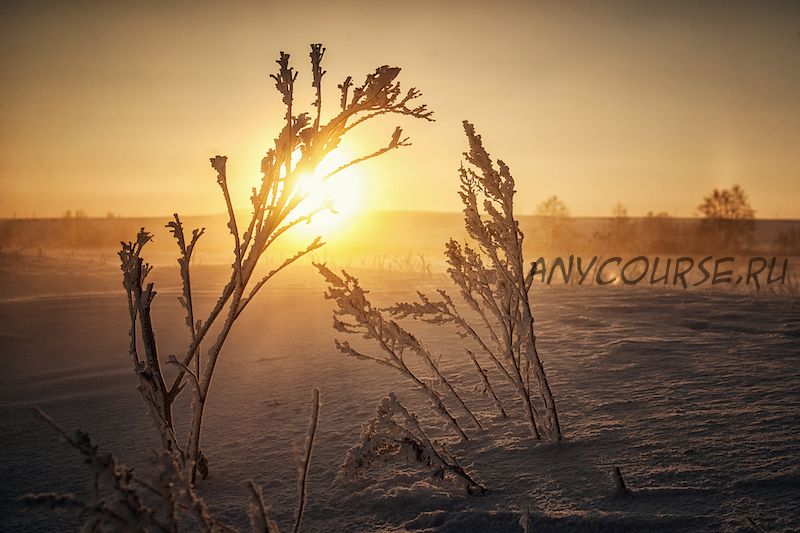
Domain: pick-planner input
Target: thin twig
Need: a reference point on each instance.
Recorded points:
(302, 482)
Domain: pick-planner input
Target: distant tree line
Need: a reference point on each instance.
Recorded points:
(726, 225)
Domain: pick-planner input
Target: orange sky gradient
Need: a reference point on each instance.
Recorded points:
(116, 106)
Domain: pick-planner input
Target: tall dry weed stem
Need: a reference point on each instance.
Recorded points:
(494, 282)
(279, 203)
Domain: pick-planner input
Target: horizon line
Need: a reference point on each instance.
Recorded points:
(222, 214)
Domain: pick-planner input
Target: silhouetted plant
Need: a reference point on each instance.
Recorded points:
(727, 204)
(728, 218)
(278, 204)
(553, 207)
(491, 276)
(355, 315)
(122, 501)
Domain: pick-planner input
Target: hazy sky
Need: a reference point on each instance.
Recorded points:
(112, 106)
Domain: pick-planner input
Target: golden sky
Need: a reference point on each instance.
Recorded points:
(116, 107)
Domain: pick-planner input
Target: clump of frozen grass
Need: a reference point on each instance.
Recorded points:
(356, 315)
(279, 203)
(395, 435)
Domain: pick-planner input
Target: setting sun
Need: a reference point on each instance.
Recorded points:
(408, 266)
(344, 192)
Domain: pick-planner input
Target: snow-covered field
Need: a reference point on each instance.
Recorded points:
(695, 395)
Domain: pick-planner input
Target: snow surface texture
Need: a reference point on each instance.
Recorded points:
(695, 395)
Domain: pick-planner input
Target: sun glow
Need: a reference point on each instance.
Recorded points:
(343, 192)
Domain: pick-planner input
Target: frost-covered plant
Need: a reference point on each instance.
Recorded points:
(395, 435)
(355, 315)
(490, 274)
(121, 501)
(278, 204)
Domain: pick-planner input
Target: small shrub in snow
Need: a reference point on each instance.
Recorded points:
(396, 435)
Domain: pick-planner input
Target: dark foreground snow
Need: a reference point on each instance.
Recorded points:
(694, 395)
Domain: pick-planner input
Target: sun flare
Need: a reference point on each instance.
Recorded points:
(342, 191)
